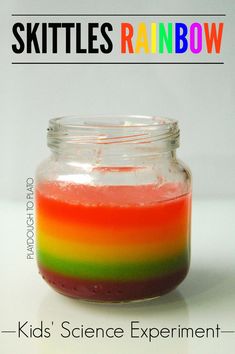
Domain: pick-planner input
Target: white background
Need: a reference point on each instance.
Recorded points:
(202, 99)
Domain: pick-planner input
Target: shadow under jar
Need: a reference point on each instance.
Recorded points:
(113, 208)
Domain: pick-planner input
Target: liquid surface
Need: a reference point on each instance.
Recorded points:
(123, 195)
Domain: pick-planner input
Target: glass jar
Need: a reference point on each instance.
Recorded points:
(113, 208)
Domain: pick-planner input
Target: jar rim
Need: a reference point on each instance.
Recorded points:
(113, 121)
(113, 129)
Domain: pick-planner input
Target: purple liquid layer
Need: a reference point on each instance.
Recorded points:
(112, 291)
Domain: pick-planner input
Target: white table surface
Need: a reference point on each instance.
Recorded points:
(206, 298)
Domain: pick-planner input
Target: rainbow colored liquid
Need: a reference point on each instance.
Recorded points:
(112, 243)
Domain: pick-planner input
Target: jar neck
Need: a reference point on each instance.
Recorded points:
(126, 140)
(101, 158)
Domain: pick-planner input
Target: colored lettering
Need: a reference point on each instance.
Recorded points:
(126, 37)
(142, 39)
(153, 37)
(165, 37)
(196, 38)
(181, 43)
(213, 37)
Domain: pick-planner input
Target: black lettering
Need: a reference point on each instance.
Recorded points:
(111, 335)
(32, 37)
(54, 27)
(153, 333)
(37, 332)
(217, 331)
(68, 27)
(165, 332)
(89, 332)
(199, 332)
(144, 332)
(118, 332)
(44, 41)
(47, 333)
(79, 48)
(134, 329)
(106, 26)
(18, 27)
(20, 329)
(76, 332)
(66, 329)
(92, 37)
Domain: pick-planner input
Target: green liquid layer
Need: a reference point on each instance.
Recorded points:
(113, 271)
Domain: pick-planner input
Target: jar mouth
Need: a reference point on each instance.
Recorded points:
(113, 121)
(106, 129)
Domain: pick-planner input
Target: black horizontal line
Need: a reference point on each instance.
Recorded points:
(119, 63)
(8, 331)
(227, 331)
(118, 15)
